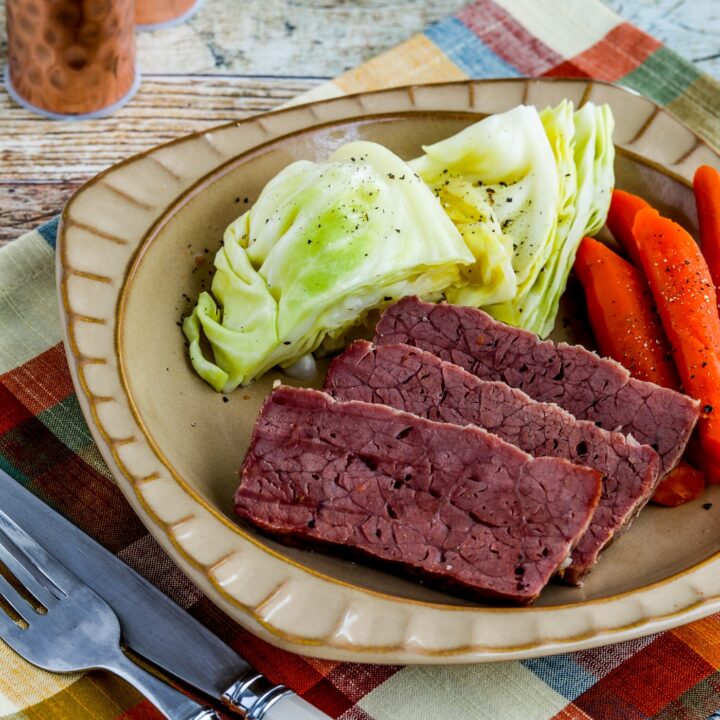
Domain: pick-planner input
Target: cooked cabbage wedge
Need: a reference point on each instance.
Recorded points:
(324, 244)
(530, 184)
(527, 309)
(507, 162)
(593, 156)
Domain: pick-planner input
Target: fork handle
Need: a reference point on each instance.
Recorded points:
(170, 702)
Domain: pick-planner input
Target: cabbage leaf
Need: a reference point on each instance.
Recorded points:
(593, 156)
(530, 306)
(530, 185)
(501, 175)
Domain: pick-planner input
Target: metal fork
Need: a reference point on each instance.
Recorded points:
(75, 629)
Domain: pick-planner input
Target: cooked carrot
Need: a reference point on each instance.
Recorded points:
(695, 455)
(712, 473)
(706, 184)
(622, 314)
(685, 297)
(624, 206)
(682, 484)
(693, 452)
(628, 329)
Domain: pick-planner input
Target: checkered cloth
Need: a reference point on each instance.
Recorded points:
(45, 444)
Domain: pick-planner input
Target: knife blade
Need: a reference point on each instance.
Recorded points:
(152, 625)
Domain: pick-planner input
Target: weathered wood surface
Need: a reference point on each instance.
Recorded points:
(42, 162)
(236, 58)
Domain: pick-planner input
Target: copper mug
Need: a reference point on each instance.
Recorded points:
(154, 14)
(71, 58)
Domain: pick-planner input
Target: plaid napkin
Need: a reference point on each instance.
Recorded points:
(45, 444)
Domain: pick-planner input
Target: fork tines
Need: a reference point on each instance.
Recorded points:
(25, 560)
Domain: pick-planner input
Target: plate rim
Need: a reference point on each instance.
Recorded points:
(456, 654)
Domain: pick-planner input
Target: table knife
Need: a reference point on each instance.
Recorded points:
(153, 626)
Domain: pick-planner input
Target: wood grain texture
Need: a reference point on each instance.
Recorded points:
(164, 108)
(43, 162)
(236, 58)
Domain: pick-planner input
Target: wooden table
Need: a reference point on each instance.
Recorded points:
(238, 58)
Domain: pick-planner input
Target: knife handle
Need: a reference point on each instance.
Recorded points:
(293, 707)
(254, 697)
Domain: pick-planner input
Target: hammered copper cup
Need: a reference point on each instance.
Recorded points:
(152, 14)
(71, 58)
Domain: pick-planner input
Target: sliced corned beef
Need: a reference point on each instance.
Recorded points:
(581, 382)
(456, 506)
(419, 382)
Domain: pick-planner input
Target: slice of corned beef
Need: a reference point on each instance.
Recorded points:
(456, 506)
(581, 382)
(419, 382)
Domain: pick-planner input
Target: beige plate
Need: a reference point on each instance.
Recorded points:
(129, 243)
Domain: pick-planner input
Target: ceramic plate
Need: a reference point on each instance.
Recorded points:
(136, 245)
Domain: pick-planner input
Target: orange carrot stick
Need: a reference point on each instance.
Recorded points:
(624, 206)
(622, 314)
(685, 297)
(712, 473)
(627, 328)
(706, 184)
(682, 484)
